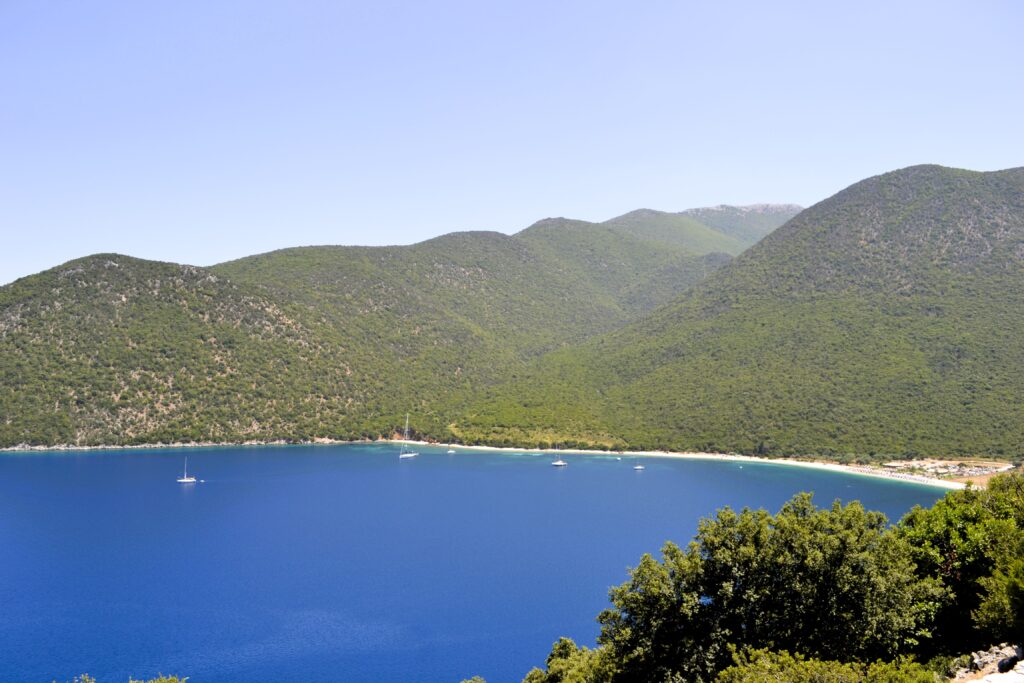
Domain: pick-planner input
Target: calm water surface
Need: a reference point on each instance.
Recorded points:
(329, 563)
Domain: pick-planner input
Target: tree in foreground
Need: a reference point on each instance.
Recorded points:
(973, 541)
(834, 587)
(827, 583)
(1000, 613)
(569, 663)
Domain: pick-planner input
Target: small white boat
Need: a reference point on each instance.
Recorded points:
(559, 463)
(450, 451)
(184, 478)
(403, 453)
(639, 467)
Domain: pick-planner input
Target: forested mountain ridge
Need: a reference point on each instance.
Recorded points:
(109, 346)
(313, 342)
(910, 231)
(745, 223)
(885, 320)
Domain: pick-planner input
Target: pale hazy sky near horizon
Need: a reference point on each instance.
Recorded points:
(199, 132)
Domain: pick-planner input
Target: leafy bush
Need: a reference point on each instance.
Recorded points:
(820, 582)
(762, 666)
(816, 595)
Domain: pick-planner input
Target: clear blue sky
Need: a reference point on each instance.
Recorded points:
(204, 131)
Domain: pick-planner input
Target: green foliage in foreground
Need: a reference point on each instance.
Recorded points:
(762, 666)
(569, 663)
(851, 598)
(1001, 610)
(807, 580)
(973, 541)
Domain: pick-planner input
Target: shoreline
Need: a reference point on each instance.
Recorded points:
(861, 470)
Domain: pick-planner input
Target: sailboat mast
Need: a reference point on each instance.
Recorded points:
(406, 452)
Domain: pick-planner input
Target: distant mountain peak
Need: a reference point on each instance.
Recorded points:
(723, 228)
(556, 221)
(748, 224)
(638, 213)
(749, 208)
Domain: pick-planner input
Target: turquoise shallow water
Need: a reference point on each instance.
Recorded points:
(327, 563)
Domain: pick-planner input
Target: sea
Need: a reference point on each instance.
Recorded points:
(343, 562)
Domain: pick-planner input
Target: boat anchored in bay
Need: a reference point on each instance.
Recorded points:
(184, 478)
(405, 452)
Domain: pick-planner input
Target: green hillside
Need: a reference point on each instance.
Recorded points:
(313, 342)
(638, 272)
(677, 230)
(888, 319)
(110, 348)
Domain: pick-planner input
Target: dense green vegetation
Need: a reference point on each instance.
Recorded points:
(112, 349)
(321, 342)
(812, 594)
(762, 666)
(677, 229)
(972, 541)
(887, 320)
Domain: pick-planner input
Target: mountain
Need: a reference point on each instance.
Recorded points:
(110, 348)
(885, 320)
(728, 229)
(748, 224)
(316, 341)
(676, 230)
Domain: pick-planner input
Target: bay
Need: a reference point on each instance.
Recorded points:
(342, 563)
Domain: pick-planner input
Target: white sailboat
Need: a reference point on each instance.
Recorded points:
(559, 463)
(404, 453)
(184, 478)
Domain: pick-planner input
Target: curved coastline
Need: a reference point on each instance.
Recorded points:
(861, 470)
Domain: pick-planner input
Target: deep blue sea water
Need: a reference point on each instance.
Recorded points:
(341, 563)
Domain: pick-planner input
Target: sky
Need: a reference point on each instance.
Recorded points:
(203, 131)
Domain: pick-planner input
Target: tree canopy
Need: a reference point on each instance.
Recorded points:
(826, 582)
(809, 594)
